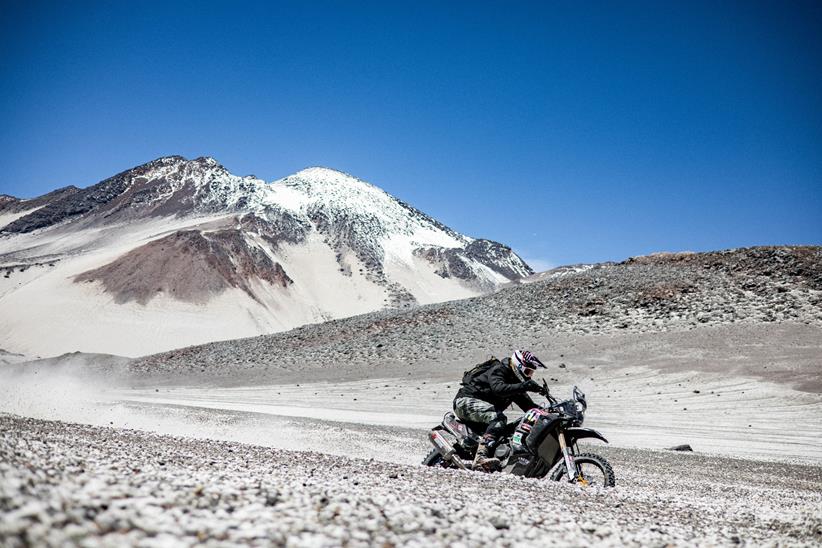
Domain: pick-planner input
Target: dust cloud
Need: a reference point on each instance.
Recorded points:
(66, 393)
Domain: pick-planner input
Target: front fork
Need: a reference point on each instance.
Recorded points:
(569, 458)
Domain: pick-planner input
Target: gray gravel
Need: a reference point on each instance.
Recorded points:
(82, 485)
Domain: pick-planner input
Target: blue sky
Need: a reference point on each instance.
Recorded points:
(573, 132)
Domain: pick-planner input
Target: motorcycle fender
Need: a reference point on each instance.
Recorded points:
(577, 433)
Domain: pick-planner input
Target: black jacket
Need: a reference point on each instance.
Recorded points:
(500, 386)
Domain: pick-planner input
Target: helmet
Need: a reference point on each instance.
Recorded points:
(524, 364)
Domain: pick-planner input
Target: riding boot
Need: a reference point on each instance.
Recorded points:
(482, 461)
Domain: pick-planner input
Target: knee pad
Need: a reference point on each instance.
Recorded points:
(497, 426)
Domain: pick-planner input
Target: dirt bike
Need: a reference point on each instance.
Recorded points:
(543, 440)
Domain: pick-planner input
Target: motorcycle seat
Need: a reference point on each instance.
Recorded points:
(473, 429)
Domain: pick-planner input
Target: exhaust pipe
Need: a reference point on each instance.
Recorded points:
(445, 449)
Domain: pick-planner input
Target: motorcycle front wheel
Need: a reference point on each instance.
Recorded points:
(592, 470)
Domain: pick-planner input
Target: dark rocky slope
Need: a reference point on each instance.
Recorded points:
(645, 295)
(189, 265)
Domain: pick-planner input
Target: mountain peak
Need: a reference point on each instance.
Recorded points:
(324, 175)
(207, 160)
(174, 159)
(335, 184)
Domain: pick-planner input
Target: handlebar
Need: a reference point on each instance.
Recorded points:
(547, 393)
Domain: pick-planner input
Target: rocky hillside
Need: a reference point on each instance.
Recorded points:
(176, 239)
(653, 294)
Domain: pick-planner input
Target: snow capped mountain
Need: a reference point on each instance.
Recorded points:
(177, 237)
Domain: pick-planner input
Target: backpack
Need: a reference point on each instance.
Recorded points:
(478, 370)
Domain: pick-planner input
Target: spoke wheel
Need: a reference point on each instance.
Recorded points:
(433, 458)
(592, 471)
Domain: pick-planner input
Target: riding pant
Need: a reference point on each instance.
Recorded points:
(476, 410)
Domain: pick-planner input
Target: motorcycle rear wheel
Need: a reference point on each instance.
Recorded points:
(433, 458)
(592, 470)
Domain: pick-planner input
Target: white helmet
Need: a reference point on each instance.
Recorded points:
(524, 363)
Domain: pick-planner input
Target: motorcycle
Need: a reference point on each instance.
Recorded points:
(541, 443)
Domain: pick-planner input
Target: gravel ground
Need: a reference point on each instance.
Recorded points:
(82, 485)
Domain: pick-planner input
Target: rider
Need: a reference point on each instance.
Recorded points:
(484, 397)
